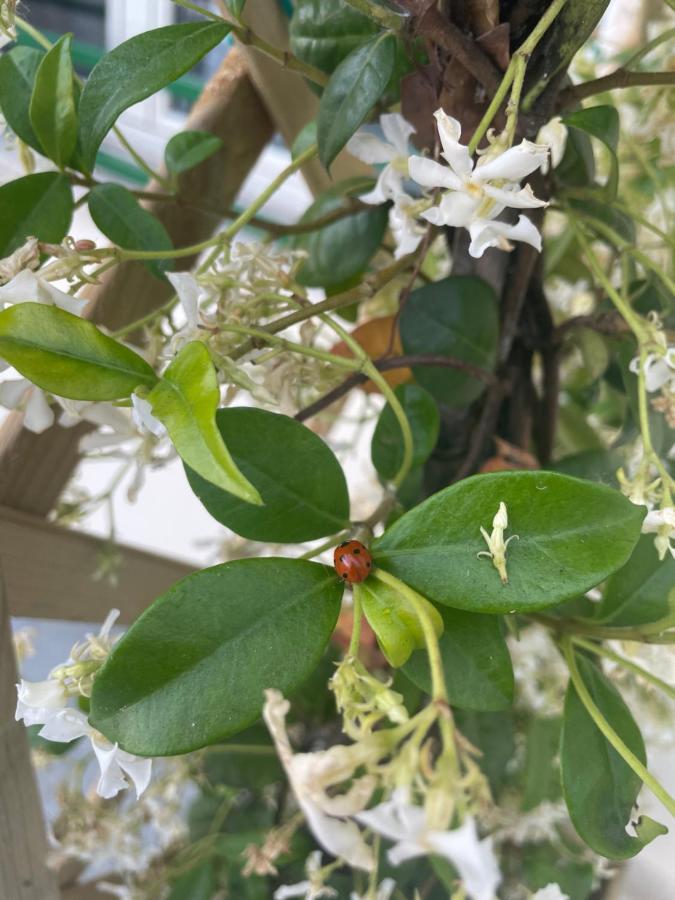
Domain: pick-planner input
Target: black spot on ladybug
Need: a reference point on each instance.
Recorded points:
(356, 550)
(368, 563)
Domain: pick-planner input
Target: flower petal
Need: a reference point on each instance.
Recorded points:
(370, 148)
(474, 859)
(397, 131)
(487, 233)
(38, 415)
(388, 186)
(141, 413)
(38, 700)
(65, 725)
(431, 174)
(512, 165)
(70, 304)
(406, 231)
(456, 208)
(188, 290)
(456, 154)
(139, 769)
(522, 199)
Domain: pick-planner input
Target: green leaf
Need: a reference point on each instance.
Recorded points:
(541, 775)
(386, 449)
(455, 317)
(602, 123)
(493, 733)
(600, 789)
(69, 356)
(38, 206)
(119, 215)
(297, 475)
(354, 88)
(236, 7)
(192, 670)
(189, 148)
(341, 251)
(394, 620)
(304, 139)
(198, 883)
(18, 68)
(185, 400)
(324, 32)
(136, 69)
(249, 763)
(595, 465)
(476, 662)
(52, 107)
(572, 535)
(643, 591)
(545, 864)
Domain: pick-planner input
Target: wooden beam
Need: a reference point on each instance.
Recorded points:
(48, 572)
(35, 468)
(23, 848)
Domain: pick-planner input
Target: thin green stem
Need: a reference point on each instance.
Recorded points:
(610, 734)
(533, 39)
(313, 352)
(200, 10)
(326, 545)
(648, 47)
(140, 162)
(147, 319)
(600, 650)
(645, 634)
(357, 613)
(514, 100)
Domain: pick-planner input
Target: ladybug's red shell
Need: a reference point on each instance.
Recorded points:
(353, 561)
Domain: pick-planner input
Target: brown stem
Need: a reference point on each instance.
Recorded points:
(617, 80)
(385, 365)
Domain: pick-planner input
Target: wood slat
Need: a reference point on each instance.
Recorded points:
(48, 572)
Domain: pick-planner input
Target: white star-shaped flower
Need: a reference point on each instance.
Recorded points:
(659, 370)
(392, 150)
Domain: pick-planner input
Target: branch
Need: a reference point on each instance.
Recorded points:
(385, 365)
(618, 80)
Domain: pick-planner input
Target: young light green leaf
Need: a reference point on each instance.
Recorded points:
(572, 535)
(189, 148)
(185, 400)
(476, 662)
(18, 68)
(599, 788)
(136, 69)
(119, 215)
(340, 251)
(297, 475)
(39, 205)
(192, 670)
(643, 591)
(386, 449)
(392, 617)
(52, 106)
(457, 317)
(601, 122)
(69, 356)
(354, 88)
(324, 32)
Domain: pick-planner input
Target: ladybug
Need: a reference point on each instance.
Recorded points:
(352, 561)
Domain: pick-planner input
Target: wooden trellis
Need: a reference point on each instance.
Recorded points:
(45, 570)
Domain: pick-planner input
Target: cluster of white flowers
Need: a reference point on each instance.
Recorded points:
(382, 759)
(46, 703)
(472, 196)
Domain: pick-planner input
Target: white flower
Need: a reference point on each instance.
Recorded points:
(28, 287)
(475, 195)
(393, 151)
(38, 699)
(7, 27)
(25, 257)
(659, 370)
(550, 892)
(190, 294)
(496, 543)
(141, 413)
(404, 227)
(22, 395)
(310, 774)
(554, 135)
(398, 820)
(313, 888)
(662, 523)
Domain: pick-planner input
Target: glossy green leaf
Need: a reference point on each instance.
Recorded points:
(354, 88)
(185, 400)
(188, 149)
(69, 356)
(119, 215)
(52, 107)
(643, 591)
(595, 465)
(324, 32)
(304, 139)
(392, 617)
(341, 251)
(38, 206)
(572, 535)
(600, 789)
(136, 69)
(602, 123)
(192, 670)
(301, 483)
(476, 662)
(545, 864)
(236, 7)
(18, 68)
(386, 449)
(455, 317)
(245, 768)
